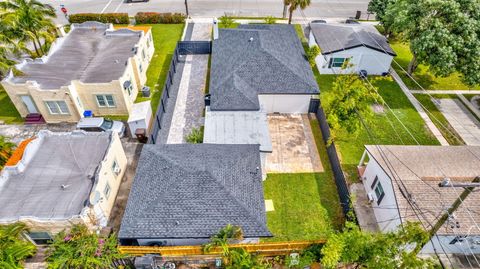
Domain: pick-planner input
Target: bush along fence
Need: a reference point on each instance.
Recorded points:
(154, 17)
(117, 18)
(182, 48)
(122, 18)
(340, 181)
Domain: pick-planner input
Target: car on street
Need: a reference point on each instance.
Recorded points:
(100, 124)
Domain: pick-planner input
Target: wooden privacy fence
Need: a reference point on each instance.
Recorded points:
(267, 249)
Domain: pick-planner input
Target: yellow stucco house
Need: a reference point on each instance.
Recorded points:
(94, 67)
(61, 179)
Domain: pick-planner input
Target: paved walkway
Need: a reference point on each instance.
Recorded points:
(419, 108)
(189, 103)
(464, 123)
(363, 209)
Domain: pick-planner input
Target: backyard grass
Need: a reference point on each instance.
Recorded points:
(165, 37)
(385, 127)
(8, 112)
(422, 75)
(306, 205)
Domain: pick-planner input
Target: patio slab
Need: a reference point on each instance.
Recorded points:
(294, 149)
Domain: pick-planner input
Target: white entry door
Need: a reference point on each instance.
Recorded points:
(27, 100)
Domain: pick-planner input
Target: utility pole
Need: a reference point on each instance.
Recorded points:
(468, 188)
(186, 7)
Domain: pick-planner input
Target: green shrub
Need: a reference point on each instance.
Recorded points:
(195, 137)
(117, 18)
(312, 53)
(270, 20)
(154, 18)
(226, 21)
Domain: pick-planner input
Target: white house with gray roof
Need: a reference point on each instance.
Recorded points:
(256, 70)
(182, 194)
(361, 45)
(94, 67)
(402, 183)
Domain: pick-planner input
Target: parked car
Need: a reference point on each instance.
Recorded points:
(100, 124)
(318, 21)
(131, 1)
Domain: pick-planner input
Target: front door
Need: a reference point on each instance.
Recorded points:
(27, 100)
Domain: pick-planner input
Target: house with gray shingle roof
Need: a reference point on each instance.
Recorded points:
(183, 194)
(361, 45)
(402, 183)
(258, 67)
(256, 70)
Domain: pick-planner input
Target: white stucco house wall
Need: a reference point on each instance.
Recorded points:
(62, 179)
(94, 67)
(361, 45)
(394, 175)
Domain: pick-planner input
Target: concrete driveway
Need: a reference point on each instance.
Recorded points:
(294, 149)
(460, 118)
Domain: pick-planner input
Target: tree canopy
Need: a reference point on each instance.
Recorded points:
(293, 5)
(13, 247)
(6, 150)
(377, 250)
(349, 99)
(443, 34)
(81, 248)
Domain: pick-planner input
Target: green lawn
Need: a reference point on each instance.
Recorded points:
(306, 205)
(385, 132)
(165, 37)
(233, 25)
(439, 119)
(422, 74)
(8, 112)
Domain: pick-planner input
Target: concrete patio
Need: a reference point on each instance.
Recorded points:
(294, 149)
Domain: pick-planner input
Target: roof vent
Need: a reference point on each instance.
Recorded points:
(117, 61)
(63, 186)
(251, 39)
(177, 222)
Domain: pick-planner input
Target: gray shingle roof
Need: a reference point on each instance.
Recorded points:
(90, 53)
(337, 37)
(273, 62)
(192, 191)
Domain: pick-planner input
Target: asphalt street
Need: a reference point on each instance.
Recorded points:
(209, 8)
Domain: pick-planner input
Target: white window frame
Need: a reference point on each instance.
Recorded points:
(105, 100)
(57, 106)
(143, 54)
(333, 62)
(107, 190)
(115, 166)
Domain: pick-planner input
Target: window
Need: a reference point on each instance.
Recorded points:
(143, 54)
(336, 62)
(140, 67)
(116, 168)
(105, 100)
(107, 190)
(379, 193)
(40, 238)
(127, 85)
(57, 107)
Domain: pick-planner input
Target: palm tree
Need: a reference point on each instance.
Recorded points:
(13, 247)
(294, 4)
(32, 19)
(6, 150)
(224, 237)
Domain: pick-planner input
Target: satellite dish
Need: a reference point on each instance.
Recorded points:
(95, 198)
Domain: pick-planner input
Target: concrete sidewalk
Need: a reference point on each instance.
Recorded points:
(419, 108)
(464, 123)
(446, 91)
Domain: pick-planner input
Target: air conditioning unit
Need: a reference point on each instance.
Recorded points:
(371, 197)
(117, 170)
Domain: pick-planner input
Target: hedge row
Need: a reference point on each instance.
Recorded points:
(117, 18)
(154, 17)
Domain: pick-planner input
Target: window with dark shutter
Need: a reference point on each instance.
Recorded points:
(374, 182)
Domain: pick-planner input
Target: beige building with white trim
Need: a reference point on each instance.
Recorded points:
(94, 67)
(62, 179)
